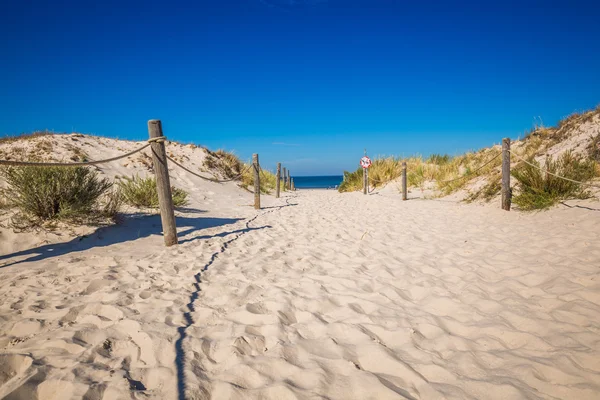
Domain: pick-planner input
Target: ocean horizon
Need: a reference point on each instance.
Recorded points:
(318, 182)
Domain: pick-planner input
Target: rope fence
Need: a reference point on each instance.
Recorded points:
(207, 178)
(552, 173)
(472, 172)
(74, 164)
(157, 141)
(159, 156)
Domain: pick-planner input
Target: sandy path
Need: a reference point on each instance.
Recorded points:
(329, 296)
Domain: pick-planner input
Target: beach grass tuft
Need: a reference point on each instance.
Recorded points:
(47, 193)
(142, 192)
(540, 190)
(224, 162)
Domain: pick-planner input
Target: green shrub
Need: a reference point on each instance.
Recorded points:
(539, 190)
(45, 193)
(142, 192)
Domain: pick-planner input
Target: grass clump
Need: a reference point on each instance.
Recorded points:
(439, 159)
(142, 192)
(540, 190)
(55, 193)
(226, 163)
(382, 171)
(268, 180)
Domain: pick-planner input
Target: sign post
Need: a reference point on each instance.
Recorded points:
(365, 163)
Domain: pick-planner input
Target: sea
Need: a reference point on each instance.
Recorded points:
(318, 182)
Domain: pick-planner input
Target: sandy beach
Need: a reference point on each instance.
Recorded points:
(319, 295)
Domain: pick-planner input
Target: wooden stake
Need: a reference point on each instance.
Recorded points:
(256, 181)
(365, 181)
(506, 193)
(163, 184)
(292, 185)
(404, 183)
(278, 180)
(284, 175)
(289, 185)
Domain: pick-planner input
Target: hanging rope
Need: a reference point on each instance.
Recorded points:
(472, 172)
(207, 178)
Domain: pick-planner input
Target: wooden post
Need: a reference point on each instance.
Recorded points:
(289, 185)
(365, 181)
(278, 180)
(163, 184)
(292, 185)
(284, 175)
(506, 194)
(256, 181)
(404, 182)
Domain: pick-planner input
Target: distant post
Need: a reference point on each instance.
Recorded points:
(163, 185)
(284, 175)
(289, 185)
(404, 183)
(292, 185)
(256, 166)
(365, 180)
(278, 180)
(506, 193)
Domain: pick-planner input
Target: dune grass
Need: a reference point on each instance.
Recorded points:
(142, 192)
(448, 173)
(268, 180)
(229, 166)
(56, 193)
(539, 190)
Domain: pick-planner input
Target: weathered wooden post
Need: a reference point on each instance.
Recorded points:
(404, 183)
(284, 175)
(278, 180)
(289, 185)
(292, 185)
(506, 193)
(163, 184)
(365, 181)
(256, 166)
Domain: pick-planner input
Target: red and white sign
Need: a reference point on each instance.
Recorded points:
(365, 162)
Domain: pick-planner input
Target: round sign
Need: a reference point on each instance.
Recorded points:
(365, 162)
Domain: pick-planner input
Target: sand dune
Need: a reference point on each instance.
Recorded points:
(319, 295)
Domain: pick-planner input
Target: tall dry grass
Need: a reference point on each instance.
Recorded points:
(540, 190)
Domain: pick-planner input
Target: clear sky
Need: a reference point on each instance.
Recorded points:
(308, 83)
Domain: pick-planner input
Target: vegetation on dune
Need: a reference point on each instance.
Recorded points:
(449, 174)
(540, 190)
(382, 170)
(142, 192)
(226, 163)
(229, 166)
(75, 194)
(268, 180)
(25, 136)
(446, 171)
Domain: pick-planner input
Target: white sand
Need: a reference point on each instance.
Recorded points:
(329, 296)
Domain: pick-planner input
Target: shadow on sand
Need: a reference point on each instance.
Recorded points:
(134, 227)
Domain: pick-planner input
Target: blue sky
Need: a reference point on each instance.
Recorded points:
(308, 83)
